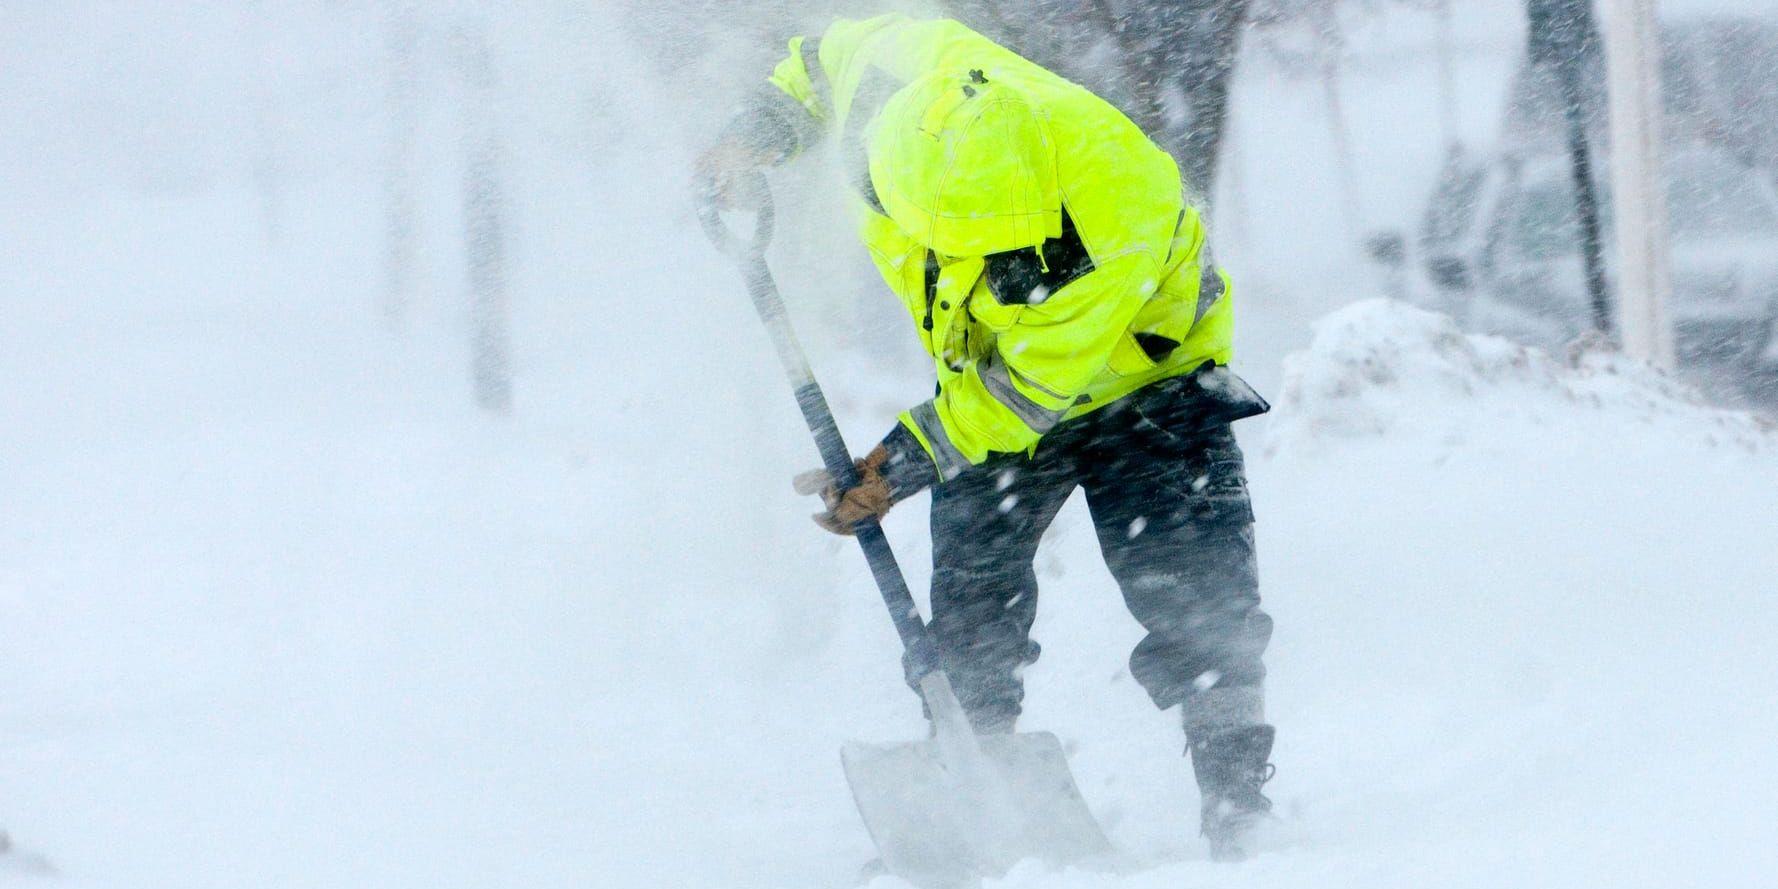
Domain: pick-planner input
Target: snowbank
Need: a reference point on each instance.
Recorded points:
(1524, 615)
(1383, 368)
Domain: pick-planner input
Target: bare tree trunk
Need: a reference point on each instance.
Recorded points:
(989, 18)
(1234, 219)
(1331, 48)
(1564, 38)
(399, 204)
(269, 128)
(484, 237)
(1175, 61)
(1204, 82)
(1181, 56)
(1447, 74)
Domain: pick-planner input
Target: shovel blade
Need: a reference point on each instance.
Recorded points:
(937, 824)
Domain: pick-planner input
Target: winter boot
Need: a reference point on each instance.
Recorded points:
(1231, 768)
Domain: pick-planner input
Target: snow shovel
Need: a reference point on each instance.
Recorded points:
(956, 807)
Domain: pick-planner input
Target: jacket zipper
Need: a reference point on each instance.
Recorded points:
(931, 288)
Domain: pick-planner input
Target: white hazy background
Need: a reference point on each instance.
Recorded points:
(280, 607)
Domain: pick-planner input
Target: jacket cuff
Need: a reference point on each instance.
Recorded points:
(773, 124)
(908, 470)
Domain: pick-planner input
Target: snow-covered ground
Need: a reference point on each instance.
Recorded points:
(281, 609)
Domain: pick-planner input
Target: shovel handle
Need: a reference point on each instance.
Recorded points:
(835, 456)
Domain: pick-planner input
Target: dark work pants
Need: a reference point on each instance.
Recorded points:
(1169, 502)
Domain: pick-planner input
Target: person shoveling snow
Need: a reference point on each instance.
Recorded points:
(1081, 335)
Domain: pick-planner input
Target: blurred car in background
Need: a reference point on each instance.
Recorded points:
(1499, 246)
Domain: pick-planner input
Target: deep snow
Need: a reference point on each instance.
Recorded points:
(281, 609)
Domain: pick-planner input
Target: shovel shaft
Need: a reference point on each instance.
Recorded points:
(838, 460)
(769, 304)
(944, 812)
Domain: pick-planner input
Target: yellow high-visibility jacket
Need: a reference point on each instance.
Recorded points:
(1038, 238)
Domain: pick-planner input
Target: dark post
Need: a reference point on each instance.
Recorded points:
(484, 237)
(1563, 36)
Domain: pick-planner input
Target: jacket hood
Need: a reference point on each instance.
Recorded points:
(964, 163)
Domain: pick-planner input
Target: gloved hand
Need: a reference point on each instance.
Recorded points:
(768, 129)
(869, 500)
(892, 472)
(729, 173)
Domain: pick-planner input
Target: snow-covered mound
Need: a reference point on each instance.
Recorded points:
(1381, 367)
(1524, 616)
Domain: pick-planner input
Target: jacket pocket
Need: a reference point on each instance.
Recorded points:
(1166, 320)
(1216, 480)
(990, 312)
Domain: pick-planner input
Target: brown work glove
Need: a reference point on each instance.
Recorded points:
(892, 472)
